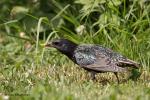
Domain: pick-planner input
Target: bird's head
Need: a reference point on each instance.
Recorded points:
(63, 45)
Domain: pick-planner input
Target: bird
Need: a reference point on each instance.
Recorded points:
(93, 57)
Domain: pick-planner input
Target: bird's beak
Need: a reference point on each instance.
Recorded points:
(48, 45)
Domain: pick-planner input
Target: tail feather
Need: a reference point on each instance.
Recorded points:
(130, 63)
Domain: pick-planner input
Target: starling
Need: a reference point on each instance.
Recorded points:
(93, 58)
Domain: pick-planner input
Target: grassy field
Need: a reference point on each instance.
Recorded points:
(30, 71)
(45, 73)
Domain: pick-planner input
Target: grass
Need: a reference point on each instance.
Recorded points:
(24, 75)
(29, 71)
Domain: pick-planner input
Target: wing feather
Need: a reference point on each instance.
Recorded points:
(102, 59)
(104, 65)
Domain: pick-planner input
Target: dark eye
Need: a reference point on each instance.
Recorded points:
(56, 43)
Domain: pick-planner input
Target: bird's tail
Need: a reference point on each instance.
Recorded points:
(131, 63)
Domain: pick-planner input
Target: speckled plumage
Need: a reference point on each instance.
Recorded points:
(94, 58)
(88, 55)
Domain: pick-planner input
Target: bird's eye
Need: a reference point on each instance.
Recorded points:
(56, 43)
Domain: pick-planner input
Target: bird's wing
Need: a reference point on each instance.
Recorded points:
(120, 60)
(97, 58)
(104, 64)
